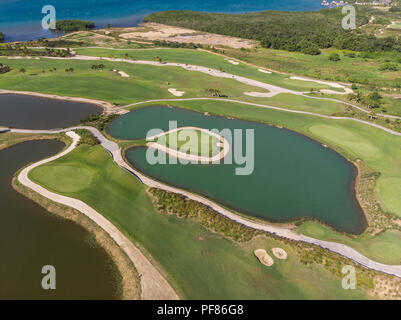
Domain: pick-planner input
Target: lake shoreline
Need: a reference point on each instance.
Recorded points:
(353, 186)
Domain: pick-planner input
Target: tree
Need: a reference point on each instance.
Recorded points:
(334, 57)
(158, 59)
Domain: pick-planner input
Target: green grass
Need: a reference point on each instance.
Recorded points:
(145, 83)
(379, 150)
(396, 25)
(384, 247)
(206, 59)
(194, 141)
(200, 264)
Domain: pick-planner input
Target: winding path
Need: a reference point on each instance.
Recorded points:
(153, 284)
(268, 107)
(154, 277)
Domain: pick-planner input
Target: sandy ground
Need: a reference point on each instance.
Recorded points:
(153, 284)
(232, 62)
(259, 94)
(264, 71)
(279, 253)
(155, 31)
(123, 74)
(331, 84)
(175, 92)
(263, 257)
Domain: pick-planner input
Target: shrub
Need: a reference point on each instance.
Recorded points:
(334, 57)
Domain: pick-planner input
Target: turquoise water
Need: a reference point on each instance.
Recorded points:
(293, 177)
(21, 19)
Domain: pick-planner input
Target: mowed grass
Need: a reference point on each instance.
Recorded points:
(385, 247)
(145, 83)
(206, 59)
(199, 263)
(191, 141)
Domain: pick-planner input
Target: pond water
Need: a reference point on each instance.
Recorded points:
(30, 238)
(30, 112)
(293, 177)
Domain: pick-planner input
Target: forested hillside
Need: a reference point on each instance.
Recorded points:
(305, 32)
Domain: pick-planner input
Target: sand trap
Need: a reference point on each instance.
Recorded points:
(264, 71)
(331, 84)
(176, 93)
(279, 253)
(259, 94)
(121, 73)
(263, 257)
(346, 91)
(232, 62)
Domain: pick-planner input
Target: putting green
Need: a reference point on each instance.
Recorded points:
(64, 178)
(352, 141)
(195, 141)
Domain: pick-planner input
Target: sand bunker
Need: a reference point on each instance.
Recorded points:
(279, 253)
(263, 257)
(259, 94)
(264, 71)
(121, 73)
(232, 61)
(176, 93)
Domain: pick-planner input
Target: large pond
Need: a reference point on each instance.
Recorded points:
(30, 112)
(30, 238)
(293, 177)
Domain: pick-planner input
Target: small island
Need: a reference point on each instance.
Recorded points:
(74, 25)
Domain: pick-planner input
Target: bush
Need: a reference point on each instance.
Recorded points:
(4, 68)
(395, 9)
(87, 137)
(74, 25)
(388, 66)
(334, 57)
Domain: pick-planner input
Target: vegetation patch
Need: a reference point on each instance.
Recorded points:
(74, 25)
(173, 203)
(87, 137)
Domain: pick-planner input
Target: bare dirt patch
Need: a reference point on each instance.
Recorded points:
(155, 31)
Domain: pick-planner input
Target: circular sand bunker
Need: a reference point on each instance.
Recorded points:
(279, 253)
(263, 257)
